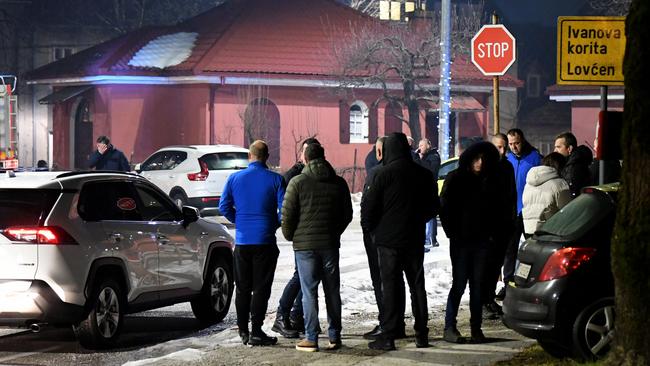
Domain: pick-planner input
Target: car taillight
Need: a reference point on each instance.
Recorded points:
(39, 235)
(210, 199)
(565, 261)
(200, 176)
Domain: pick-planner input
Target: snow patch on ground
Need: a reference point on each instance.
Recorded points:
(186, 355)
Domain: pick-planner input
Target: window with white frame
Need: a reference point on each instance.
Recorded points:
(532, 86)
(358, 122)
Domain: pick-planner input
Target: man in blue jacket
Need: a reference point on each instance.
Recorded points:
(522, 156)
(107, 157)
(252, 200)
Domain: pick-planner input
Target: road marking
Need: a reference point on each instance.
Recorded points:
(26, 354)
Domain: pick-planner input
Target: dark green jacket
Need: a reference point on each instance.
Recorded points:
(317, 208)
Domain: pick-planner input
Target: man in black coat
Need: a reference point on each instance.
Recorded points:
(107, 157)
(469, 204)
(428, 157)
(398, 203)
(576, 170)
(373, 258)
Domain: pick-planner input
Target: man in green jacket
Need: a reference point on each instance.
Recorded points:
(316, 210)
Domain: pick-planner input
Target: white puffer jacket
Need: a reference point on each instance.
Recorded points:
(545, 194)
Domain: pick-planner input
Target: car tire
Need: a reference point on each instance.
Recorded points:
(103, 324)
(593, 330)
(179, 198)
(214, 302)
(554, 349)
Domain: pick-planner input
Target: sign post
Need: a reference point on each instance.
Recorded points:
(493, 52)
(590, 51)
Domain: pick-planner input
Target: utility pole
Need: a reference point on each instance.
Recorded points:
(444, 102)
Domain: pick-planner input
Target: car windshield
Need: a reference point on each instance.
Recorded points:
(225, 160)
(579, 216)
(25, 207)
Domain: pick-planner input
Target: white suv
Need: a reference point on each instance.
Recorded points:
(86, 248)
(193, 175)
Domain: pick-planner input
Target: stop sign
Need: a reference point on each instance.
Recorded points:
(493, 49)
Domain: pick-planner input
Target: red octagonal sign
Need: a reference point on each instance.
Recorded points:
(493, 49)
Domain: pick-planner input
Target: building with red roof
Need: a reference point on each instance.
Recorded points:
(196, 82)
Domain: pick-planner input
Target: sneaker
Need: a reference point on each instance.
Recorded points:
(478, 336)
(282, 325)
(245, 336)
(452, 335)
(307, 346)
(501, 294)
(261, 339)
(334, 344)
(382, 344)
(374, 333)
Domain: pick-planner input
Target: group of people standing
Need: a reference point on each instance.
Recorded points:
(501, 190)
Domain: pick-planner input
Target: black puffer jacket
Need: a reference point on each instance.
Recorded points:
(576, 171)
(316, 208)
(470, 207)
(401, 198)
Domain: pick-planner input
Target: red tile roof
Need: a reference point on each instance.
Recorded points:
(293, 38)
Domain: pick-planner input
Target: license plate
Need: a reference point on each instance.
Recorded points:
(523, 270)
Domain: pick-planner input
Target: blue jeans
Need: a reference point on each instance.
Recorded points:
(315, 266)
(468, 261)
(431, 232)
(291, 296)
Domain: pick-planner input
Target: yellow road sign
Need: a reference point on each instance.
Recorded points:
(590, 50)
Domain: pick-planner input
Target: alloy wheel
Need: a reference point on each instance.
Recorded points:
(599, 330)
(219, 289)
(107, 313)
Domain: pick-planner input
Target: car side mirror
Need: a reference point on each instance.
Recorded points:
(210, 211)
(137, 168)
(190, 215)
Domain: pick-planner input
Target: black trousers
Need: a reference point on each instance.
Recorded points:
(392, 262)
(254, 270)
(495, 258)
(510, 260)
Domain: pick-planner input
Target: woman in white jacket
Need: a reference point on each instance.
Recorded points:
(545, 193)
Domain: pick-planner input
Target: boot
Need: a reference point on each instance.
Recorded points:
(259, 338)
(298, 323)
(382, 344)
(452, 335)
(282, 325)
(374, 333)
(477, 336)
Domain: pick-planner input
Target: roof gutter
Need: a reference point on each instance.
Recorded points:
(240, 80)
(573, 97)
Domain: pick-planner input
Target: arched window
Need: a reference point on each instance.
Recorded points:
(358, 122)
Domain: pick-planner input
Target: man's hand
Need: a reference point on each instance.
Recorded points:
(101, 148)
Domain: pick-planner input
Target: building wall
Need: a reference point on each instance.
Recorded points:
(584, 117)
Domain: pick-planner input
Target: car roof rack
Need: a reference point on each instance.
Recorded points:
(79, 172)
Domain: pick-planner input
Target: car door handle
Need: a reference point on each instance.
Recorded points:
(162, 240)
(116, 237)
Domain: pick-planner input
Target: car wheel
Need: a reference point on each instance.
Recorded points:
(179, 198)
(213, 303)
(104, 322)
(593, 330)
(554, 349)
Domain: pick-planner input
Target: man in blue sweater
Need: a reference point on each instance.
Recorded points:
(252, 200)
(522, 156)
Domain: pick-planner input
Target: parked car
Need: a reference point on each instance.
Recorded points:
(193, 175)
(446, 167)
(563, 291)
(86, 248)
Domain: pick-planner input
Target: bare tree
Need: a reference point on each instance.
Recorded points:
(402, 58)
(370, 7)
(611, 7)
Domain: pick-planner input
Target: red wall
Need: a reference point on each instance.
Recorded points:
(584, 116)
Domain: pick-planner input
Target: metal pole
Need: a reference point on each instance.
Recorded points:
(603, 107)
(495, 87)
(445, 77)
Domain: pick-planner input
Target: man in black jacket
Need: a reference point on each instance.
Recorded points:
(576, 170)
(107, 157)
(398, 203)
(428, 157)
